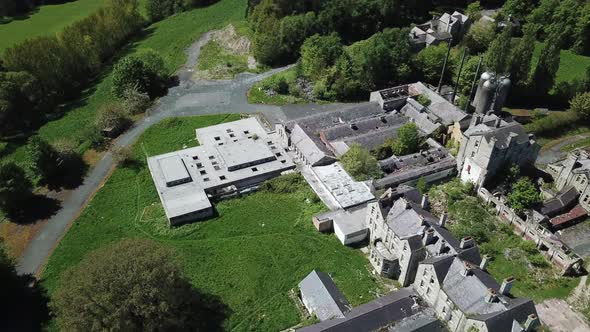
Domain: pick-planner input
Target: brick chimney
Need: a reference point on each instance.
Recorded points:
(506, 285)
(443, 219)
(484, 262)
(428, 236)
(467, 269)
(491, 296)
(532, 321)
(466, 242)
(424, 203)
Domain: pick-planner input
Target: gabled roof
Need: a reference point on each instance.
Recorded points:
(307, 147)
(565, 198)
(323, 296)
(441, 265)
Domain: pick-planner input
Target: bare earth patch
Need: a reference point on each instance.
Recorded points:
(560, 317)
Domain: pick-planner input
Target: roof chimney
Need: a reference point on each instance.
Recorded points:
(532, 321)
(506, 285)
(466, 242)
(443, 219)
(424, 203)
(428, 236)
(498, 122)
(484, 262)
(467, 269)
(491, 296)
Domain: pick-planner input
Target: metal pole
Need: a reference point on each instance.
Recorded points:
(442, 74)
(473, 83)
(458, 76)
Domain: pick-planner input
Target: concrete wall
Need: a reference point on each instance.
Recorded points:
(193, 216)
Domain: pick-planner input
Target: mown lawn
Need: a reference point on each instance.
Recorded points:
(571, 65)
(536, 277)
(170, 37)
(251, 255)
(45, 20)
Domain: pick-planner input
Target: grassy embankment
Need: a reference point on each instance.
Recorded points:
(536, 278)
(251, 255)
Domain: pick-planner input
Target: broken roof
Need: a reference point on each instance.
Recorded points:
(439, 106)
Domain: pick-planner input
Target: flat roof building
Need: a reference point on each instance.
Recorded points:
(234, 156)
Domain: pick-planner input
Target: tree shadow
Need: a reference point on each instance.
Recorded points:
(206, 312)
(37, 207)
(24, 305)
(70, 173)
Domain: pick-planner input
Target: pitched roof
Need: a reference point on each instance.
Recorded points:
(441, 265)
(312, 151)
(323, 296)
(565, 198)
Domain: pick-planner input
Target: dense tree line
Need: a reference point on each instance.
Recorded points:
(20, 7)
(42, 72)
(160, 9)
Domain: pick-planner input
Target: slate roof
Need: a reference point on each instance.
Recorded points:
(565, 198)
(439, 107)
(406, 218)
(420, 119)
(503, 135)
(323, 296)
(441, 265)
(313, 152)
(518, 309)
(371, 316)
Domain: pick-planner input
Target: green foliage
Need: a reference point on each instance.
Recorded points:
(517, 8)
(430, 62)
(42, 158)
(553, 123)
(422, 185)
(134, 285)
(21, 103)
(580, 104)
(15, 187)
(544, 73)
(360, 164)
(383, 151)
(135, 101)
(582, 31)
(423, 100)
(480, 36)
(159, 9)
(471, 219)
(474, 11)
(319, 53)
(131, 72)
(497, 57)
(521, 57)
(407, 140)
(288, 183)
(111, 115)
(523, 195)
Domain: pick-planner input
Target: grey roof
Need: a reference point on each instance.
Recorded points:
(371, 316)
(518, 309)
(420, 118)
(174, 170)
(363, 125)
(502, 135)
(565, 198)
(405, 219)
(344, 189)
(412, 173)
(350, 221)
(439, 106)
(441, 265)
(313, 152)
(323, 296)
(423, 321)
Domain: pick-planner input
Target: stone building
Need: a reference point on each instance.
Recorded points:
(439, 29)
(486, 148)
(467, 298)
(403, 233)
(573, 172)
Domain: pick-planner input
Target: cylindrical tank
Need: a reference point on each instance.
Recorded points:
(485, 76)
(503, 89)
(486, 97)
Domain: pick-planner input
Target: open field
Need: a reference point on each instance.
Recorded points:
(571, 65)
(250, 255)
(45, 20)
(257, 94)
(535, 277)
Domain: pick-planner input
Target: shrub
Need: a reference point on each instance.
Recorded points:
(135, 101)
(360, 164)
(553, 123)
(111, 116)
(423, 100)
(122, 155)
(15, 187)
(288, 183)
(580, 104)
(407, 140)
(42, 158)
(523, 195)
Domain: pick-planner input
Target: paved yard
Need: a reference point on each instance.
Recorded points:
(559, 317)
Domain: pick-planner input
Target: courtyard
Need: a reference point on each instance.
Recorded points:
(250, 255)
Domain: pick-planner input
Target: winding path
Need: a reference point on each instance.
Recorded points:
(187, 99)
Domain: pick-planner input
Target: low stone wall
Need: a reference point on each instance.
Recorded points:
(553, 249)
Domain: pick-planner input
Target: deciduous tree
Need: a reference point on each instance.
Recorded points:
(319, 53)
(407, 140)
(360, 164)
(581, 105)
(15, 187)
(523, 195)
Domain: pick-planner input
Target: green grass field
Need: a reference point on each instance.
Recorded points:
(571, 65)
(251, 255)
(170, 37)
(45, 20)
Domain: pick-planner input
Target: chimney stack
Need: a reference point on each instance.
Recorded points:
(428, 236)
(532, 321)
(484, 262)
(506, 285)
(466, 242)
(467, 269)
(491, 296)
(424, 203)
(497, 122)
(443, 219)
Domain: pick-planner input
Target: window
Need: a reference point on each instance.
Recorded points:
(214, 163)
(472, 154)
(235, 140)
(428, 290)
(217, 168)
(199, 165)
(283, 161)
(278, 154)
(220, 144)
(222, 177)
(269, 142)
(254, 169)
(422, 283)
(203, 172)
(272, 147)
(195, 157)
(246, 132)
(205, 179)
(211, 157)
(232, 135)
(229, 130)
(217, 138)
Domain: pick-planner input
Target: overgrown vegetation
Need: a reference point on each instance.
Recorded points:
(360, 164)
(510, 255)
(250, 255)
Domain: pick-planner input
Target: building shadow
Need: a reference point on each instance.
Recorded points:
(24, 305)
(37, 207)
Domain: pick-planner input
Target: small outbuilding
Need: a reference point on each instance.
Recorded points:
(321, 297)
